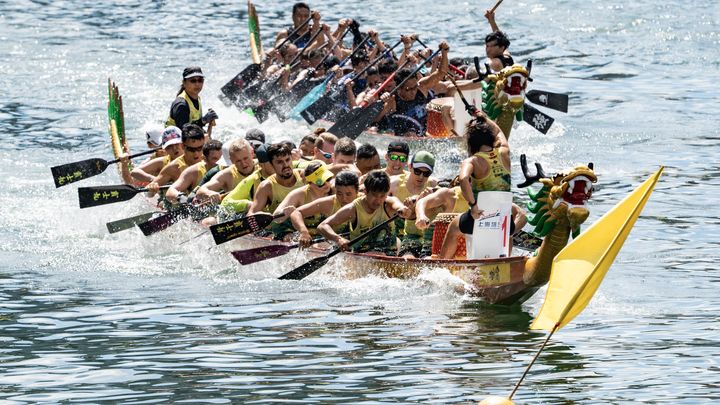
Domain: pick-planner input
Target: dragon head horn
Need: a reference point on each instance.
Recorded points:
(530, 179)
(528, 66)
(591, 166)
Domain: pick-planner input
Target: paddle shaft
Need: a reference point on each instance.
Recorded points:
(384, 84)
(468, 107)
(451, 67)
(293, 32)
(492, 10)
(301, 272)
(412, 75)
(134, 155)
(527, 369)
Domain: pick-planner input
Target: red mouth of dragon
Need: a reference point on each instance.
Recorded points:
(579, 191)
(515, 85)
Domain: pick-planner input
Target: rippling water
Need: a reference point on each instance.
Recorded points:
(91, 317)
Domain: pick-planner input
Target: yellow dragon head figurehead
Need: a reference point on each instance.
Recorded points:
(510, 85)
(562, 198)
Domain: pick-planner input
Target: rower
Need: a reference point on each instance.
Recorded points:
(409, 188)
(487, 169)
(153, 138)
(367, 158)
(193, 139)
(239, 200)
(365, 212)
(241, 166)
(325, 147)
(190, 178)
(173, 148)
(444, 199)
(300, 14)
(307, 217)
(344, 156)
(496, 46)
(307, 146)
(396, 158)
(405, 112)
(272, 191)
(187, 107)
(255, 137)
(318, 185)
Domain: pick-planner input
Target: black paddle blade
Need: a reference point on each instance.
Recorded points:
(320, 108)
(163, 221)
(72, 172)
(547, 99)
(230, 230)
(127, 223)
(234, 87)
(101, 195)
(357, 120)
(537, 119)
(306, 269)
(255, 255)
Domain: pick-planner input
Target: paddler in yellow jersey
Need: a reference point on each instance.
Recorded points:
(307, 217)
(193, 139)
(241, 166)
(408, 189)
(171, 142)
(487, 169)
(191, 177)
(365, 212)
(272, 191)
(318, 185)
(187, 107)
(396, 158)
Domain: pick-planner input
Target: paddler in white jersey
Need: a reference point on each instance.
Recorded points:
(172, 145)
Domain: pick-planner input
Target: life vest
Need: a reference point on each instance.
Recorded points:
(195, 113)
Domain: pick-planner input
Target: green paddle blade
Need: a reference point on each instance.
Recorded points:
(127, 223)
(537, 119)
(101, 195)
(72, 172)
(308, 268)
(547, 99)
(357, 120)
(227, 231)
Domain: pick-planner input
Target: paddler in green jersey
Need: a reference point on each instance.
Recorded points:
(318, 185)
(241, 166)
(409, 188)
(306, 218)
(193, 140)
(272, 191)
(191, 177)
(374, 208)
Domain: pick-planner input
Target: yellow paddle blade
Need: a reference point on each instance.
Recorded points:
(580, 267)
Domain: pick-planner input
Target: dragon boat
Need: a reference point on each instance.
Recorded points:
(557, 210)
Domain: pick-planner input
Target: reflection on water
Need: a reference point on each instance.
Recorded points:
(88, 316)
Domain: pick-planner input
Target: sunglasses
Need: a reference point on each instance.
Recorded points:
(327, 155)
(401, 158)
(421, 172)
(196, 80)
(193, 150)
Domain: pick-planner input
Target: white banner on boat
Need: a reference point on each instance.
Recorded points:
(462, 117)
(491, 233)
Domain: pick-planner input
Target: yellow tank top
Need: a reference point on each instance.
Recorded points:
(182, 165)
(408, 225)
(498, 177)
(365, 221)
(195, 113)
(166, 161)
(279, 192)
(240, 198)
(461, 204)
(202, 169)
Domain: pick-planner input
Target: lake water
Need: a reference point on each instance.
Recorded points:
(91, 317)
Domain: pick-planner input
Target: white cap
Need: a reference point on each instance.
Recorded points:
(153, 133)
(171, 136)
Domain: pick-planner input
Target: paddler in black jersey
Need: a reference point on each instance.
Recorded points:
(496, 46)
(365, 212)
(187, 107)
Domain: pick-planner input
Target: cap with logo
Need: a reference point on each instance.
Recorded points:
(423, 159)
(171, 136)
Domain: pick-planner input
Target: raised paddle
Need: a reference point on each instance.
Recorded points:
(227, 231)
(72, 172)
(537, 119)
(556, 101)
(308, 268)
(101, 195)
(471, 109)
(232, 89)
(312, 110)
(128, 223)
(492, 10)
(358, 119)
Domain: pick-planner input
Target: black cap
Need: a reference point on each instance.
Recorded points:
(399, 147)
(192, 71)
(261, 153)
(255, 136)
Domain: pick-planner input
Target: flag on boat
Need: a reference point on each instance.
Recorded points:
(580, 267)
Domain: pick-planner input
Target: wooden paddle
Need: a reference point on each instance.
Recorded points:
(102, 195)
(357, 120)
(232, 89)
(308, 268)
(227, 231)
(128, 223)
(556, 101)
(72, 172)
